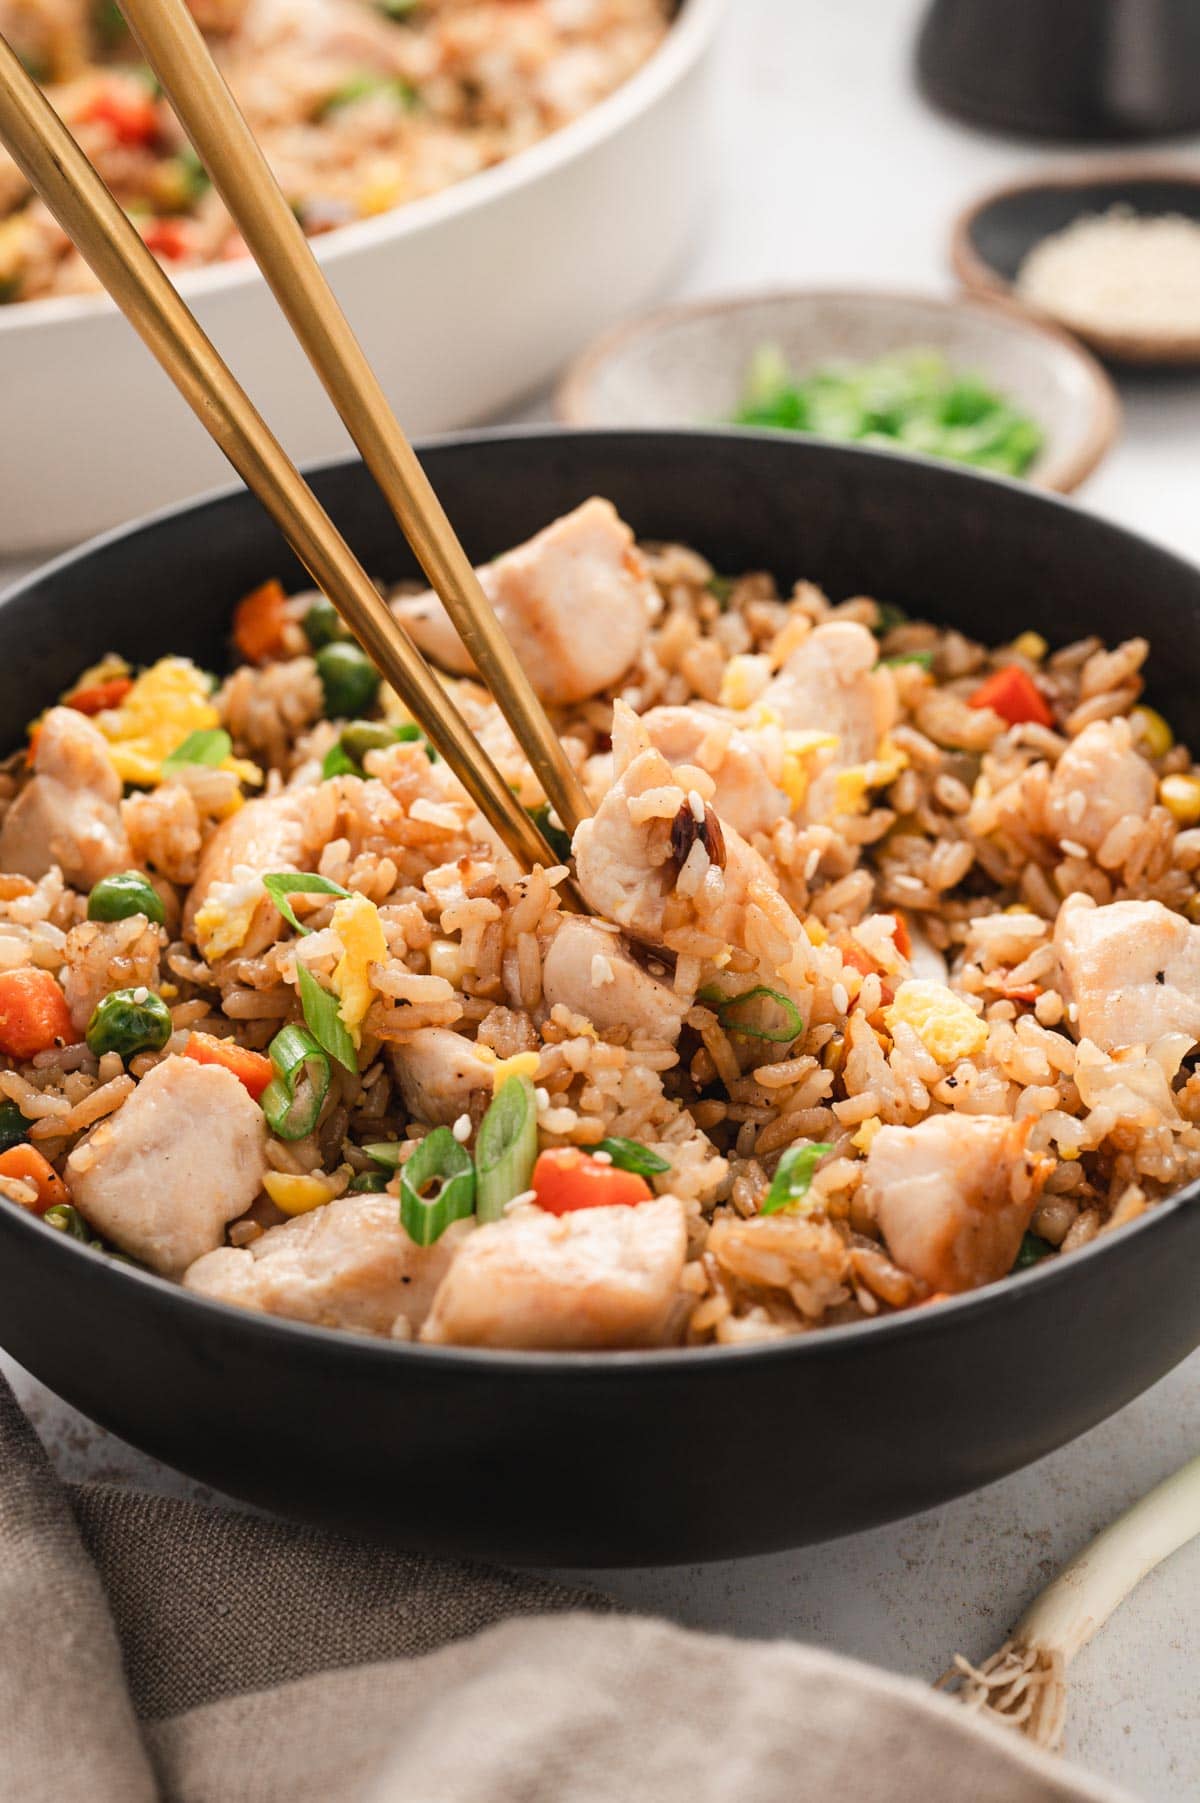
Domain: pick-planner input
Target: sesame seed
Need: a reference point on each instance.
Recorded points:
(526, 1195)
(1073, 848)
(602, 1157)
(696, 803)
(462, 1129)
(543, 1097)
(811, 864)
(841, 999)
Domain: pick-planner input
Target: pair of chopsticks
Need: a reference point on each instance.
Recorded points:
(59, 172)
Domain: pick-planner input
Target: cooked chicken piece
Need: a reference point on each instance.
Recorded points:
(745, 797)
(349, 1264)
(833, 682)
(628, 868)
(575, 601)
(439, 1073)
(184, 1156)
(1098, 780)
(598, 1277)
(69, 812)
(277, 832)
(592, 972)
(1131, 970)
(953, 1196)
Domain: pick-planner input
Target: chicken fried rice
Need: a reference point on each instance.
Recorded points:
(360, 106)
(890, 983)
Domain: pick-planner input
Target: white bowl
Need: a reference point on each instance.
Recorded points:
(687, 365)
(464, 302)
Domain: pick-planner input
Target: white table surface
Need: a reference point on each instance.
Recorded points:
(833, 171)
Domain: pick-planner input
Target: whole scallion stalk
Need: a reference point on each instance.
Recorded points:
(1024, 1684)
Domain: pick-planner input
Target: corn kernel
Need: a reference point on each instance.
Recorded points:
(1152, 731)
(297, 1195)
(1180, 795)
(1031, 645)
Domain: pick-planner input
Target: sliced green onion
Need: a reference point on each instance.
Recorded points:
(14, 1128)
(556, 837)
(336, 763)
(324, 1022)
(1033, 1250)
(385, 1152)
(791, 1026)
(630, 1155)
(793, 1177)
(889, 617)
(368, 1183)
(293, 1098)
(506, 1147)
(199, 748)
(924, 658)
(68, 1220)
(437, 1186)
(279, 884)
(721, 588)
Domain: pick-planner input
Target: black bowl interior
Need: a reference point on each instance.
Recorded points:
(1004, 232)
(621, 1458)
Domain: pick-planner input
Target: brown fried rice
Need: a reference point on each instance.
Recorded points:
(360, 106)
(840, 903)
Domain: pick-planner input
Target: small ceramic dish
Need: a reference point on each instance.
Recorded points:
(994, 235)
(687, 365)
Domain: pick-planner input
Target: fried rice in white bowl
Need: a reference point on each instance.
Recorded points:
(503, 181)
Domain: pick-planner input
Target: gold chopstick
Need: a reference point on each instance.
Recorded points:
(57, 169)
(175, 49)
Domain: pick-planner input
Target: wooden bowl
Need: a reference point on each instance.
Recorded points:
(687, 365)
(992, 237)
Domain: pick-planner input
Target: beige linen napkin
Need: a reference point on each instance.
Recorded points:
(152, 1651)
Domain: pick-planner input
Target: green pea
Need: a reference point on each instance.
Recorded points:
(14, 1128)
(128, 892)
(368, 1183)
(323, 624)
(129, 1021)
(349, 679)
(362, 736)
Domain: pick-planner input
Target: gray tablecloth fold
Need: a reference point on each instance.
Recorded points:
(153, 1651)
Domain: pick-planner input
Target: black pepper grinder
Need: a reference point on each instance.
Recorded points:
(1078, 70)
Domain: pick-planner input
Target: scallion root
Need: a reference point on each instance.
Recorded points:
(1025, 1687)
(1024, 1684)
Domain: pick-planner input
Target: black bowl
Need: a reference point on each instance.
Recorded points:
(1078, 70)
(622, 1458)
(996, 232)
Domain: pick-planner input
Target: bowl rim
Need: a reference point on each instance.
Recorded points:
(687, 38)
(983, 281)
(1062, 472)
(582, 1366)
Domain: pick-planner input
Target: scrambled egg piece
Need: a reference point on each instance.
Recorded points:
(521, 1064)
(223, 921)
(863, 1138)
(852, 785)
(946, 1025)
(167, 703)
(795, 773)
(744, 679)
(357, 924)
